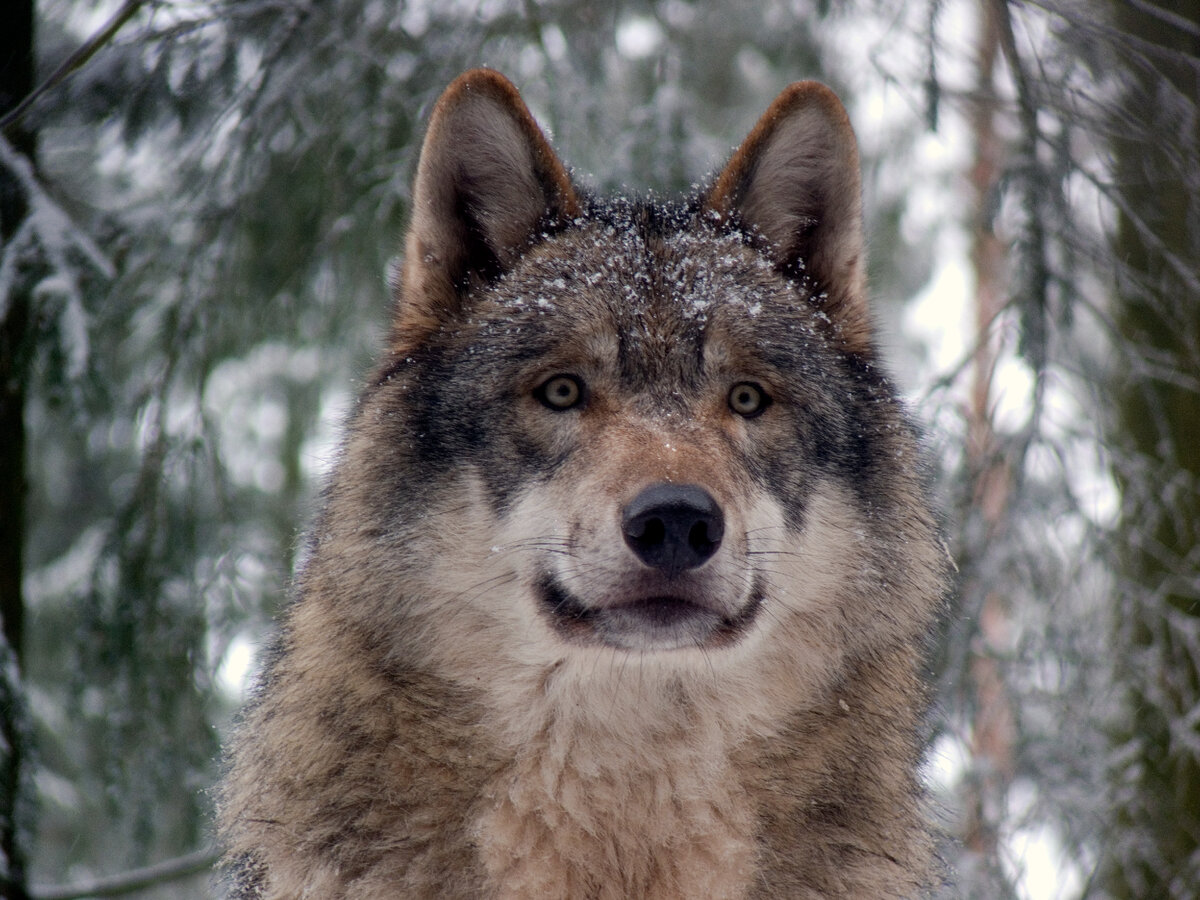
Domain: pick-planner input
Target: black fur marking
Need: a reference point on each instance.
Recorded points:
(479, 257)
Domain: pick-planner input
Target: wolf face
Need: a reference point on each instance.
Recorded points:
(631, 527)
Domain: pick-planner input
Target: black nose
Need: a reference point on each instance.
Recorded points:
(673, 526)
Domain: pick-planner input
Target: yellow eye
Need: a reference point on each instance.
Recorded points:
(560, 392)
(747, 399)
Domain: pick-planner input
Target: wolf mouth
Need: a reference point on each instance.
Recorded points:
(654, 622)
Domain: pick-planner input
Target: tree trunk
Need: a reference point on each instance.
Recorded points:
(992, 726)
(16, 81)
(1155, 845)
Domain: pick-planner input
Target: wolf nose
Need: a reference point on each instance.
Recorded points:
(673, 526)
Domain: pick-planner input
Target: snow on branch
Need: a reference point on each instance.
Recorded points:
(47, 228)
(55, 231)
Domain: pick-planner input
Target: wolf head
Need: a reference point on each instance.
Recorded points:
(633, 425)
(628, 551)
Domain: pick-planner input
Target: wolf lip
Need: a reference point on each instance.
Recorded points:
(661, 611)
(659, 621)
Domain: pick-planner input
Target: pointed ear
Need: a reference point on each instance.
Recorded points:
(795, 183)
(487, 184)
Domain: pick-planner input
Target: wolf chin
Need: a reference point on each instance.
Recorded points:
(624, 578)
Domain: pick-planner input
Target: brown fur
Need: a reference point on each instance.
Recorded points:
(426, 729)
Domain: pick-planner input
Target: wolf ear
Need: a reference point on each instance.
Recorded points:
(486, 182)
(795, 183)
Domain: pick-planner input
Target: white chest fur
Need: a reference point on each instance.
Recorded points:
(584, 813)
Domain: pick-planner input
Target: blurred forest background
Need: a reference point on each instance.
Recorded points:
(199, 201)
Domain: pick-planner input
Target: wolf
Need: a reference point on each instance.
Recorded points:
(624, 580)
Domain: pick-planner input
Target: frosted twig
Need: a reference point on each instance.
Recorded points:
(75, 61)
(53, 227)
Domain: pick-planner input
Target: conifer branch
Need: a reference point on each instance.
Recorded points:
(133, 880)
(74, 62)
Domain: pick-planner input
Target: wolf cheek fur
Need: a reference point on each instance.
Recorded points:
(622, 582)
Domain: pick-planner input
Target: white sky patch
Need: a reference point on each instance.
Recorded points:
(1035, 857)
(939, 316)
(236, 667)
(1039, 860)
(1013, 385)
(555, 42)
(948, 760)
(638, 37)
(930, 204)
(319, 452)
(1095, 489)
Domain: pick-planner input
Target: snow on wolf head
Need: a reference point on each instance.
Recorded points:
(622, 582)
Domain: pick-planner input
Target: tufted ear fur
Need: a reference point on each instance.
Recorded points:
(795, 183)
(487, 183)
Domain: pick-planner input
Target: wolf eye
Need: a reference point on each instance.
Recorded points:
(560, 392)
(747, 399)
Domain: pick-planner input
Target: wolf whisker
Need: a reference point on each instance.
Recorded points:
(478, 589)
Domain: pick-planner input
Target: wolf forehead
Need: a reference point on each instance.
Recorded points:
(659, 290)
(643, 257)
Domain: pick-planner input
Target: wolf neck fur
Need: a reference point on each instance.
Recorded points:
(588, 808)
